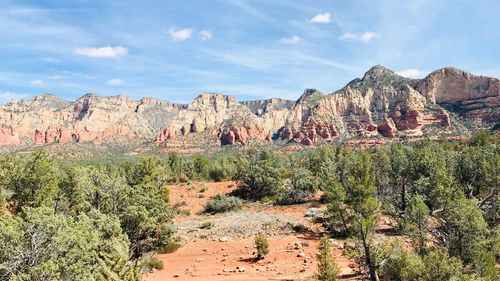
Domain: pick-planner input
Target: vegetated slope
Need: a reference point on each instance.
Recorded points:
(378, 107)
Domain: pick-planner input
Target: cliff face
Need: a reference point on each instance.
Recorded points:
(382, 105)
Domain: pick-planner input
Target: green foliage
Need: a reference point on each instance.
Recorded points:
(263, 177)
(301, 185)
(207, 225)
(416, 219)
(48, 246)
(92, 222)
(355, 202)
(328, 270)
(33, 179)
(484, 265)
(169, 247)
(121, 207)
(154, 264)
(435, 266)
(262, 246)
(465, 226)
(223, 203)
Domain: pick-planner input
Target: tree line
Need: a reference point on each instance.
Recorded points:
(72, 220)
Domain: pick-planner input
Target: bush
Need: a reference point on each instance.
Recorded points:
(262, 246)
(437, 265)
(262, 179)
(223, 203)
(169, 248)
(327, 267)
(207, 225)
(154, 263)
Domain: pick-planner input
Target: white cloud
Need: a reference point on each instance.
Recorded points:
(412, 73)
(37, 82)
(8, 96)
(181, 34)
(348, 36)
(321, 18)
(103, 52)
(368, 36)
(115, 82)
(205, 35)
(292, 40)
(56, 77)
(364, 37)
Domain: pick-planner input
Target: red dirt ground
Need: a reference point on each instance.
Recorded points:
(233, 260)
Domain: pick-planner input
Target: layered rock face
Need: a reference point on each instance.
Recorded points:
(380, 106)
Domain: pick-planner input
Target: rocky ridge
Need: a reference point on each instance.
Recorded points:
(380, 106)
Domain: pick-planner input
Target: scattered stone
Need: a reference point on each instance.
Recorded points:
(301, 255)
(314, 213)
(223, 239)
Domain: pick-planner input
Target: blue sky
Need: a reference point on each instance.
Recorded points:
(252, 49)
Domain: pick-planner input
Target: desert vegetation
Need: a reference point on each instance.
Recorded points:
(94, 220)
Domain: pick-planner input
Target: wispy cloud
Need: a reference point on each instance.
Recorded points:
(37, 82)
(103, 52)
(364, 37)
(249, 9)
(49, 60)
(180, 34)
(291, 40)
(115, 82)
(321, 18)
(8, 96)
(266, 59)
(205, 35)
(412, 73)
(322, 61)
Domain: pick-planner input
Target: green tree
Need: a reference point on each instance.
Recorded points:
(263, 177)
(328, 270)
(358, 194)
(465, 227)
(33, 180)
(300, 186)
(416, 219)
(48, 246)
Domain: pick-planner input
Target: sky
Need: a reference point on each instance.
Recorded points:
(251, 49)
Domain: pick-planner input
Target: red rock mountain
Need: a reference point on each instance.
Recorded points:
(379, 107)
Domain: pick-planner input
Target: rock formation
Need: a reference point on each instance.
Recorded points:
(378, 107)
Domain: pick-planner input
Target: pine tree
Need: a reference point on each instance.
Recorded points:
(328, 270)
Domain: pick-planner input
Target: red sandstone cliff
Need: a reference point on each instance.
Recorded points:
(382, 105)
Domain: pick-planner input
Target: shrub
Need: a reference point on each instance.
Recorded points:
(169, 248)
(262, 179)
(327, 267)
(184, 212)
(154, 263)
(301, 186)
(262, 246)
(207, 225)
(223, 203)
(203, 189)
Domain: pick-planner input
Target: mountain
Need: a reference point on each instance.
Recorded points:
(378, 107)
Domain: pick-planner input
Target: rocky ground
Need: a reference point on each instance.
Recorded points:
(224, 251)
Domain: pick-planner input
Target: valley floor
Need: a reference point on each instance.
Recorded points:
(225, 251)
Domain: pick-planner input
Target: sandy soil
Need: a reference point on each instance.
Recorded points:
(234, 260)
(204, 257)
